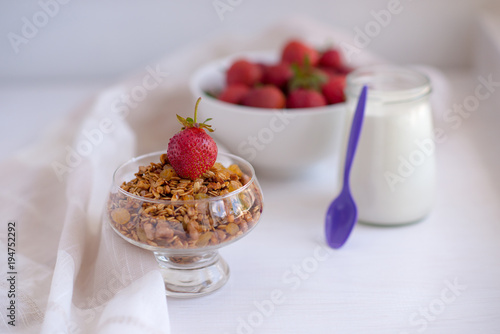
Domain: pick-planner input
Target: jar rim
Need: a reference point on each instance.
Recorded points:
(388, 83)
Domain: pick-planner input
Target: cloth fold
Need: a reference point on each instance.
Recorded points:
(74, 274)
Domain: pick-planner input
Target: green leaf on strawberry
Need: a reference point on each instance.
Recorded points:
(307, 76)
(189, 122)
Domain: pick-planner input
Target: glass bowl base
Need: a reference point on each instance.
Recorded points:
(188, 276)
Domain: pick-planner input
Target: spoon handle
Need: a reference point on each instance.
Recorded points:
(357, 122)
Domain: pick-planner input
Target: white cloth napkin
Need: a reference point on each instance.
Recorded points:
(74, 274)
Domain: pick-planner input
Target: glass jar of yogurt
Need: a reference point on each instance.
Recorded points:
(393, 174)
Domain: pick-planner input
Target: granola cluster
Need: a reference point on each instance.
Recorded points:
(171, 212)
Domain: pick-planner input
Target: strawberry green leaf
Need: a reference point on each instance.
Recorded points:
(190, 122)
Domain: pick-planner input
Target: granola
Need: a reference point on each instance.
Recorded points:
(171, 212)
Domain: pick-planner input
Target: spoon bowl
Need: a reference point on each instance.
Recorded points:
(343, 209)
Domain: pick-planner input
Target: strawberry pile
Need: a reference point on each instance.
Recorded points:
(303, 78)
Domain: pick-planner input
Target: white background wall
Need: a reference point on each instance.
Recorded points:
(93, 39)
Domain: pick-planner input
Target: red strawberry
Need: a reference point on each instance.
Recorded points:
(234, 93)
(333, 90)
(305, 98)
(296, 52)
(192, 152)
(243, 72)
(262, 67)
(344, 69)
(328, 70)
(265, 97)
(277, 75)
(330, 58)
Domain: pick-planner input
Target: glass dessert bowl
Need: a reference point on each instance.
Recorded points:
(183, 221)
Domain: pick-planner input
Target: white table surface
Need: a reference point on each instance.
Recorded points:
(384, 280)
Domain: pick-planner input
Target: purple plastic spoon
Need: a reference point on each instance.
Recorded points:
(342, 213)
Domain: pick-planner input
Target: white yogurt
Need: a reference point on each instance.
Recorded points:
(393, 174)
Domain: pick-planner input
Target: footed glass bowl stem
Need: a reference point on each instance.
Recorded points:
(192, 275)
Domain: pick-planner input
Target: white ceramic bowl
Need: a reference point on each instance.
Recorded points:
(276, 141)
